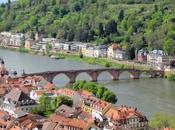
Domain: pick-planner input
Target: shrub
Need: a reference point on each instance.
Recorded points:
(107, 64)
(171, 77)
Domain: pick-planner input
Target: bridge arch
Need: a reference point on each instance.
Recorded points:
(105, 75)
(83, 76)
(95, 73)
(131, 74)
(60, 79)
(124, 75)
(113, 74)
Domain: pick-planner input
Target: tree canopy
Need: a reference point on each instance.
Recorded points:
(137, 23)
(97, 89)
(47, 105)
(161, 120)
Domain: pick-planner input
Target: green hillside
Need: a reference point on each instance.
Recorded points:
(133, 23)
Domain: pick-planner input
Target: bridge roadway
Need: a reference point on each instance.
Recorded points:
(94, 73)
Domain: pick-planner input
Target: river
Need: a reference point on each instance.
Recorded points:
(148, 95)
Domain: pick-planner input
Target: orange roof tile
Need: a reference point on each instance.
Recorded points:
(49, 86)
(168, 129)
(69, 121)
(85, 92)
(66, 91)
(102, 104)
(123, 112)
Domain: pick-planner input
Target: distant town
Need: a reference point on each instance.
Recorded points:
(155, 59)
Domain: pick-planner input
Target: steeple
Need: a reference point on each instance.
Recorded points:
(23, 72)
(3, 70)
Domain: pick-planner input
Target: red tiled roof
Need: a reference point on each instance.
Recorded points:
(168, 129)
(66, 91)
(123, 112)
(96, 103)
(69, 121)
(86, 93)
(49, 86)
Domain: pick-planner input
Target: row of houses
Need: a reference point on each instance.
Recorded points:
(13, 40)
(156, 59)
(112, 51)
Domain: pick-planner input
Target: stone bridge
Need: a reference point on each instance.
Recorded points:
(94, 73)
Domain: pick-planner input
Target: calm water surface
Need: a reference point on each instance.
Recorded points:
(148, 95)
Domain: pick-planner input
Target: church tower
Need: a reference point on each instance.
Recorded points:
(3, 70)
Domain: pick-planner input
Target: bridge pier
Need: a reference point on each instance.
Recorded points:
(135, 75)
(115, 75)
(48, 77)
(93, 75)
(71, 76)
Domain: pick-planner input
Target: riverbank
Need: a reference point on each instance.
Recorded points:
(102, 61)
(90, 60)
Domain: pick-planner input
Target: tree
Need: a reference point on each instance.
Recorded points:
(47, 105)
(171, 76)
(130, 51)
(77, 6)
(64, 100)
(109, 97)
(169, 46)
(101, 29)
(138, 41)
(33, 21)
(97, 89)
(111, 27)
(32, 34)
(121, 15)
(100, 92)
(9, 5)
(70, 35)
(78, 85)
(44, 103)
(62, 34)
(162, 120)
(90, 86)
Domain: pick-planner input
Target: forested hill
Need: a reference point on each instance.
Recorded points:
(133, 23)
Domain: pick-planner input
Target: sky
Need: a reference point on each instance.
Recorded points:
(1, 1)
